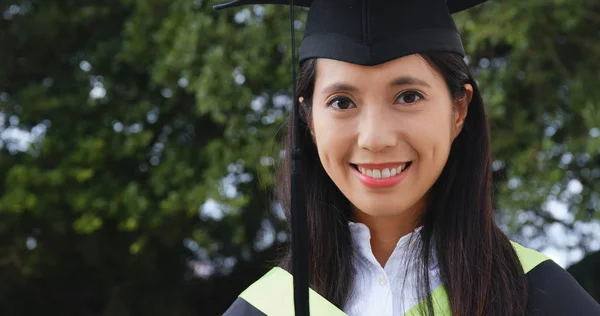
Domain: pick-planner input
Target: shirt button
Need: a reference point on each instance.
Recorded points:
(382, 280)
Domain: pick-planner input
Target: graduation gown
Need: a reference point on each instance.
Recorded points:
(552, 292)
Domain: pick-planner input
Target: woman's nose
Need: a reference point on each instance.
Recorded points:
(377, 129)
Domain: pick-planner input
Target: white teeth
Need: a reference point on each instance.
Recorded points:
(385, 173)
(376, 174)
(382, 174)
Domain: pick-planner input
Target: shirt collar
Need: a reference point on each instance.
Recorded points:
(361, 237)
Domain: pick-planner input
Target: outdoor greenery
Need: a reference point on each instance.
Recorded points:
(139, 139)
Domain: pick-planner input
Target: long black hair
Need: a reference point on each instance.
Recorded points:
(478, 266)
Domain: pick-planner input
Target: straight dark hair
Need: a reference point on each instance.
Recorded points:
(478, 265)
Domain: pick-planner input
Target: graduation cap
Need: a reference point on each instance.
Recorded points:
(364, 32)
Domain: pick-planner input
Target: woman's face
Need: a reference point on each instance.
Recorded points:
(384, 132)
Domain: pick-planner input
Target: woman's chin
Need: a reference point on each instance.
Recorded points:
(383, 210)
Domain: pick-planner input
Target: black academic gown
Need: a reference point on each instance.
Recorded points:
(552, 292)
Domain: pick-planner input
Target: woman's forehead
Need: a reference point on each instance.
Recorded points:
(413, 66)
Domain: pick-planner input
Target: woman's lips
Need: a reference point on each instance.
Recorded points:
(381, 178)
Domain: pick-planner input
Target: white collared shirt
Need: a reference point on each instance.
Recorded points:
(389, 290)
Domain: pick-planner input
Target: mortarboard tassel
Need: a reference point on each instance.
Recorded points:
(298, 206)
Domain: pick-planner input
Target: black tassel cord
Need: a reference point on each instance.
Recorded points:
(299, 221)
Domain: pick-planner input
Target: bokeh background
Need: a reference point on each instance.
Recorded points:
(139, 139)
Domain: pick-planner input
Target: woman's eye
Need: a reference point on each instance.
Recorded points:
(410, 97)
(341, 103)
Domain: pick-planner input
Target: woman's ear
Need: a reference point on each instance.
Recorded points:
(462, 107)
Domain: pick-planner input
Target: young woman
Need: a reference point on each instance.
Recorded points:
(395, 151)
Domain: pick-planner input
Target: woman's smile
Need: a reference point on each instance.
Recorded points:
(381, 175)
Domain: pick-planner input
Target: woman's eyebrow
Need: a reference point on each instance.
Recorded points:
(400, 81)
(338, 87)
(408, 80)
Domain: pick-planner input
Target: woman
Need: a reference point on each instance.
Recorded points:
(396, 154)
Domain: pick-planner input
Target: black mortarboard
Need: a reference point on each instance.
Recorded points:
(372, 32)
(364, 32)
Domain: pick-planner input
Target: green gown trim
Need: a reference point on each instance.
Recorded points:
(273, 293)
(441, 305)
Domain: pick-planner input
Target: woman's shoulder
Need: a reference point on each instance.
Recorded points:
(272, 294)
(552, 290)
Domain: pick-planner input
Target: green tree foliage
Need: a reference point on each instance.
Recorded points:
(138, 142)
(535, 62)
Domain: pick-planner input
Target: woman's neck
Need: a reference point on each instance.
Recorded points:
(386, 231)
